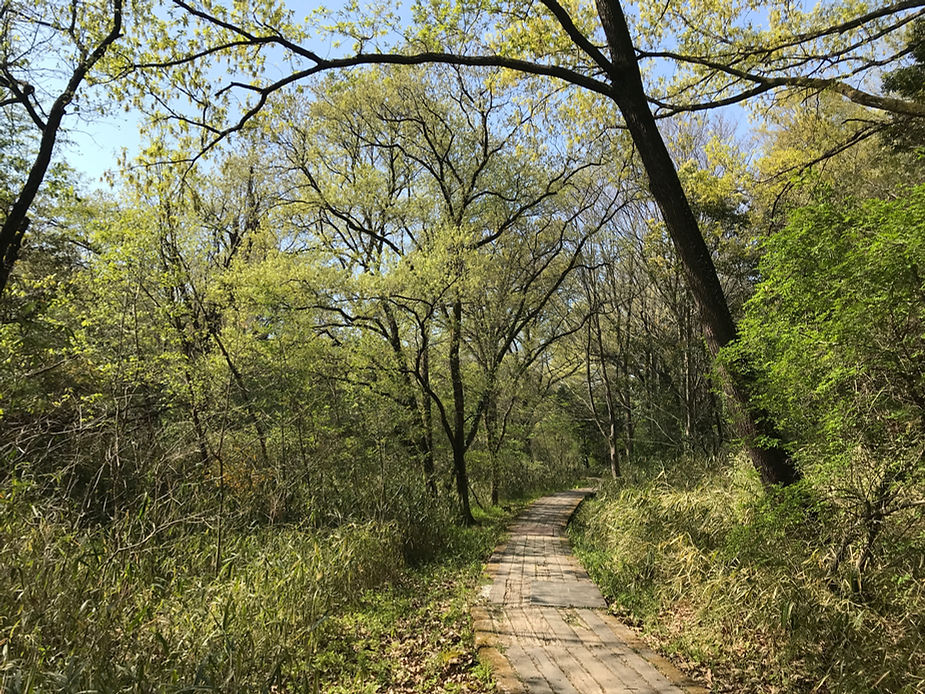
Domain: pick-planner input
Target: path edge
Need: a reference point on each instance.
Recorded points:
(628, 635)
(669, 670)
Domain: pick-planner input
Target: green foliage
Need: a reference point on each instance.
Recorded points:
(836, 326)
(909, 82)
(836, 329)
(230, 397)
(823, 149)
(819, 585)
(207, 460)
(415, 634)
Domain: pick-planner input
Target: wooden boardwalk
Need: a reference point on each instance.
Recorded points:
(543, 625)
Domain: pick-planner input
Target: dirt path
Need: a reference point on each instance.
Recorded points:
(543, 625)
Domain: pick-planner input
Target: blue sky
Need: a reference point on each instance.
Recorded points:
(94, 147)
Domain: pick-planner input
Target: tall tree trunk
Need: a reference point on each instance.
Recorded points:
(612, 446)
(626, 389)
(626, 401)
(198, 429)
(458, 439)
(427, 420)
(613, 424)
(421, 437)
(238, 378)
(687, 388)
(752, 425)
(493, 443)
(716, 427)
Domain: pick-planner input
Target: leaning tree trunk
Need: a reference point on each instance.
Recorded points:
(751, 423)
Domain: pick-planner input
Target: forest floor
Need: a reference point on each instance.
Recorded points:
(544, 626)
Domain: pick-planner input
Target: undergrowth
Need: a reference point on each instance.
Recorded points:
(286, 608)
(741, 586)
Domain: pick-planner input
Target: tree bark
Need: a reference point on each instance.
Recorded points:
(493, 444)
(427, 420)
(421, 439)
(752, 425)
(613, 424)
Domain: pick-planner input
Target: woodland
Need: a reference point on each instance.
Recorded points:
(378, 275)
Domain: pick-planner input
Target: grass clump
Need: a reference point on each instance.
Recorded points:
(744, 587)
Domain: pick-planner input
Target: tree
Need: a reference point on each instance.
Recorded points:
(81, 33)
(837, 317)
(831, 48)
(442, 214)
(611, 288)
(908, 132)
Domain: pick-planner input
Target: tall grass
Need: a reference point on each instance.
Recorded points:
(122, 607)
(742, 585)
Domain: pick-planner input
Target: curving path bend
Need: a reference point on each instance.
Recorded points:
(543, 625)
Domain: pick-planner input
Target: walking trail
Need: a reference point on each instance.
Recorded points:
(543, 625)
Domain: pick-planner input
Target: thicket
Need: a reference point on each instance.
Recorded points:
(742, 588)
(121, 607)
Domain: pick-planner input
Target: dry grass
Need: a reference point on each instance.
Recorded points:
(292, 608)
(740, 587)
